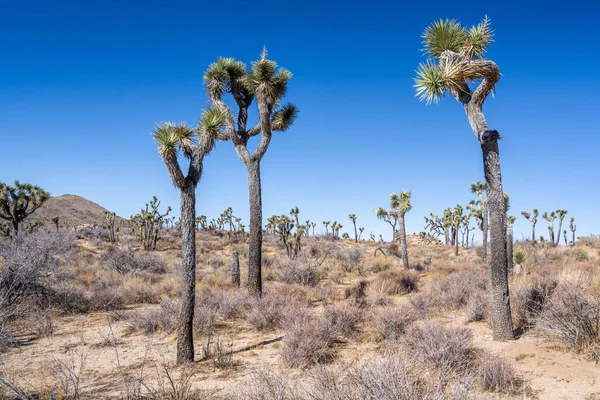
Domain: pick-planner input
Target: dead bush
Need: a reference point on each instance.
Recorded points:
(342, 319)
(454, 291)
(307, 340)
(449, 349)
(163, 319)
(528, 300)
(477, 308)
(149, 262)
(392, 322)
(396, 282)
(120, 259)
(496, 375)
(266, 313)
(569, 317)
(300, 270)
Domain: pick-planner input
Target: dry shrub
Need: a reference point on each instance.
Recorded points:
(381, 263)
(357, 292)
(264, 384)
(495, 374)
(396, 282)
(351, 259)
(149, 262)
(266, 312)
(342, 319)
(529, 298)
(120, 259)
(175, 386)
(307, 340)
(571, 318)
(300, 270)
(392, 322)
(578, 254)
(592, 241)
(387, 377)
(449, 349)
(215, 262)
(163, 319)
(477, 308)
(454, 291)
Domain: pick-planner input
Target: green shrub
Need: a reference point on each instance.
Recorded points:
(519, 257)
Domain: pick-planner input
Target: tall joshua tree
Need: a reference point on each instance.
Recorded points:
(399, 205)
(268, 85)
(194, 144)
(533, 219)
(456, 63)
(561, 216)
(352, 218)
(20, 201)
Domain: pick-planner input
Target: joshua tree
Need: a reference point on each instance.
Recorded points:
(436, 226)
(455, 62)
(335, 229)
(561, 215)
(360, 231)
(194, 144)
(282, 226)
(400, 204)
(390, 218)
(326, 224)
(573, 228)
(352, 218)
(110, 225)
(533, 219)
(550, 218)
(294, 212)
(268, 86)
(478, 188)
(457, 220)
(148, 221)
(345, 236)
(565, 236)
(509, 241)
(20, 201)
(201, 222)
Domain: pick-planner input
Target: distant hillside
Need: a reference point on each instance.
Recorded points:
(71, 210)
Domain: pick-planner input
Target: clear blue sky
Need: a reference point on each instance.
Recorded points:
(82, 83)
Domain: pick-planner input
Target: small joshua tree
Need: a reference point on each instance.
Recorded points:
(457, 220)
(110, 218)
(400, 204)
(20, 201)
(201, 222)
(561, 216)
(360, 231)
(565, 236)
(550, 218)
(148, 221)
(352, 218)
(572, 228)
(282, 226)
(533, 219)
(295, 212)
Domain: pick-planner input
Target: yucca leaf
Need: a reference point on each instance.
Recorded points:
(430, 83)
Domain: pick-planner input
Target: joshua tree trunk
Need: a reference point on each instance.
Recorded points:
(255, 246)
(501, 316)
(533, 232)
(355, 232)
(235, 269)
(403, 247)
(560, 221)
(456, 241)
(509, 248)
(484, 241)
(185, 340)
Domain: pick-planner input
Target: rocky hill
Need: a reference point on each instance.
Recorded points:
(71, 210)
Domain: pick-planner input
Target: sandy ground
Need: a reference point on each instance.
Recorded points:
(112, 356)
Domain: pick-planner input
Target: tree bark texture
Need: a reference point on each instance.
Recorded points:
(235, 269)
(501, 316)
(255, 245)
(185, 339)
(403, 246)
(509, 248)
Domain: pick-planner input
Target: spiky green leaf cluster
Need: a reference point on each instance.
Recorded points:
(224, 75)
(267, 81)
(449, 46)
(284, 117)
(172, 138)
